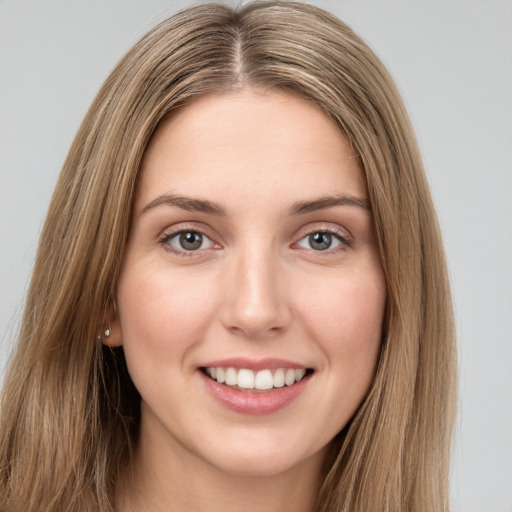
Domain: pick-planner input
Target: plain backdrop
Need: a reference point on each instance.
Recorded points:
(451, 59)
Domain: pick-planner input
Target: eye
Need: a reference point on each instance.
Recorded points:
(186, 241)
(322, 241)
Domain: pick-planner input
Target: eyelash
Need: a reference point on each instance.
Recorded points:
(343, 239)
(167, 237)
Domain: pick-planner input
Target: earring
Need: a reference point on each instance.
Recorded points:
(106, 333)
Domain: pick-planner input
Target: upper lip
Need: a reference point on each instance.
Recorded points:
(268, 363)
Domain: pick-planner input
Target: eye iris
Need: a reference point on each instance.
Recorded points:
(190, 240)
(320, 241)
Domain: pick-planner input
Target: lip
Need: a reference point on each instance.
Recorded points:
(268, 363)
(253, 403)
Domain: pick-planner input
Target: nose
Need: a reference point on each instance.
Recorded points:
(255, 301)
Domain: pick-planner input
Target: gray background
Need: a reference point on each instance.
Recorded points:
(452, 61)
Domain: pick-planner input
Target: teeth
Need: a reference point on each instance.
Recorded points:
(299, 374)
(279, 378)
(289, 378)
(245, 379)
(231, 377)
(262, 380)
(221, 375)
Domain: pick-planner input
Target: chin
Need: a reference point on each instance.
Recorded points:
(264, 459)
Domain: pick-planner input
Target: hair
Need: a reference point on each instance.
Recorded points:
(69, 411)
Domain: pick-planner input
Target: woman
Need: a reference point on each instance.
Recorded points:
(240, 296)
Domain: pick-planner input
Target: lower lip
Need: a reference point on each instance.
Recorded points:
(251, 402)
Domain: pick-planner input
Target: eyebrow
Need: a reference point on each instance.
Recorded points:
(190, 204)
(304, 207)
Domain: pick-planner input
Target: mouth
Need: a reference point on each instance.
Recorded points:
(255, 387)
(261, 381)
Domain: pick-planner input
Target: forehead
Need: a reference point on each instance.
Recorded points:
(272, 143)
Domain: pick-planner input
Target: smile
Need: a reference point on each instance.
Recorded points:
(255, 387)
(245, 379)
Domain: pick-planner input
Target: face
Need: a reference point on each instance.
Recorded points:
(251, 297)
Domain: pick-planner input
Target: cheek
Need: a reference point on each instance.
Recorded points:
(347, 322)
(162, 315)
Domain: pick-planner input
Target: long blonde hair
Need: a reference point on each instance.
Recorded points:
(69, 412)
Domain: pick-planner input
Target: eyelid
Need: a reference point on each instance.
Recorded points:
(169, 233)
(344, 236)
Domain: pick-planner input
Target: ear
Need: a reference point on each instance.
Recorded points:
(111, 334)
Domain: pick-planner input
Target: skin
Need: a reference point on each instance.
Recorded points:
(256, 288)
